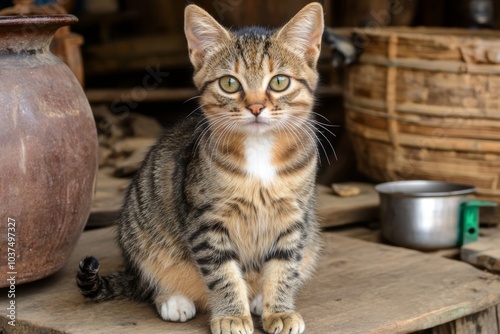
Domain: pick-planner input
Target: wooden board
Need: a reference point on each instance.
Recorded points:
(482, 322)
(108, 199)
(104, 95)
(359, 287)
(484, 253)
(332, 210)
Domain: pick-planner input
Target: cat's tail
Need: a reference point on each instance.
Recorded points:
(120, 285)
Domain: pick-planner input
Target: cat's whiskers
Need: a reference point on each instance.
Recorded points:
(315, 121)
(192, 112)
(206, 122)
(317, 124)
(191, 98)
(201, 123)
(225, 143)
(310, 123)
(310, 132)
(325, 118)
(323, 127)
(280, 127)
(309, 111)
(314, 131)
(226, 129)
(300, 111)
(324, 136)
(213, 126)
(221, 129)
(288, 128)
(329, 143)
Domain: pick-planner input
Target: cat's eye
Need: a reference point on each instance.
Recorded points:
(229, 84)
(279, 83)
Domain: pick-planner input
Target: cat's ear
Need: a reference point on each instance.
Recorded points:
(203, 33)
(304, 31)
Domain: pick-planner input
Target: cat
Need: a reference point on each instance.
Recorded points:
(221, 215)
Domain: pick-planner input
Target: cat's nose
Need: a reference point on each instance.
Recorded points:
(256, 108)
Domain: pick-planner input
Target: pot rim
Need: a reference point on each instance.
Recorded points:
(424, 188)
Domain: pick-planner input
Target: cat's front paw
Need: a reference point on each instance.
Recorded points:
(177, 308)
(284, 323)
(231, 325)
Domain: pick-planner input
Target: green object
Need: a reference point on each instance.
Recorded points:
(469, 220)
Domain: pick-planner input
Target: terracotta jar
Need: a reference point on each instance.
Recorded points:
(48, 145)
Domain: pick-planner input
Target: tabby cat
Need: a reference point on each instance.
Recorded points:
(221, 215)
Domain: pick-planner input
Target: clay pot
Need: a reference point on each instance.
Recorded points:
(48, 145)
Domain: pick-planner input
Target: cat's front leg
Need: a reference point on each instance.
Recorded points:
(228, 297)
(229, 300)
(279, 285)
(286, 267)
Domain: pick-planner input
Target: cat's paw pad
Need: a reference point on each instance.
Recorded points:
(177, 308)
(256, 305)
(231, 325)
(283, 323)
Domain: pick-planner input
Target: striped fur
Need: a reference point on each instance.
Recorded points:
(221, 216)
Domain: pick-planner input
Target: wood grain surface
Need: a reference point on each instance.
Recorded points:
(484, 253)
(333, 210)
(359, 287)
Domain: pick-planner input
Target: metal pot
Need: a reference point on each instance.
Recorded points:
(422, 215)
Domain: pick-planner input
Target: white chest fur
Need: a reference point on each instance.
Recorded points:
(258, 156)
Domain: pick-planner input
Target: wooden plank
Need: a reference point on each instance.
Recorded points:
(393, 290)
(358, 13)
(484, 253)
(334, 210)
(103, 95)
(370, 232)
(358, 231)
(448, 328)
(108, 198)
(482, 322)
(486, 321)
(143, 46)
(498, 317)
(490, 215)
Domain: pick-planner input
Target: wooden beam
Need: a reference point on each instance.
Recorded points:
(104, 95)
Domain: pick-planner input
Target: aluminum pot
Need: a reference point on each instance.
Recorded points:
(422, 215)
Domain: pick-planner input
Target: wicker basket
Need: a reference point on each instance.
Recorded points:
(424, 103)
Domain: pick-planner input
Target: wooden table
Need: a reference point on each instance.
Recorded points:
(332, 210)
(360, 287)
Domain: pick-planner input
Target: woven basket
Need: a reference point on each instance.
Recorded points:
(424, 103)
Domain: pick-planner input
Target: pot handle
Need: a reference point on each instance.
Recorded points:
(469, 220)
